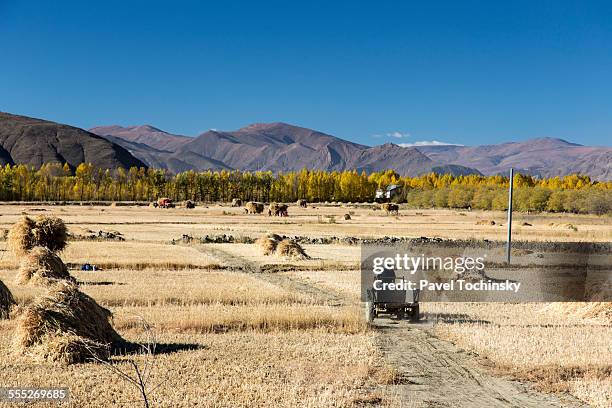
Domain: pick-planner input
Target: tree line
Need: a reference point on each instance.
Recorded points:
(56, 182)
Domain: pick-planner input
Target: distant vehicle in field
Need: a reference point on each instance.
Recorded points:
(389, 193)
(165, 202)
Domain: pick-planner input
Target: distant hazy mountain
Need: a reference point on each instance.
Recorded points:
(547, 157)
(145, 134)
(25, 140)
(269, 146)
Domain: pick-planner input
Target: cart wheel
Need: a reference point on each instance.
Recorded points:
(414, 313)
(369, 312)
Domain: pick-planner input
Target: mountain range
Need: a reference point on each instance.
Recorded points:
(269, 146)
(282, 147)
(25, 140)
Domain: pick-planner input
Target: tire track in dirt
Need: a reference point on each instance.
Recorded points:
(240, 264)
(436, 373)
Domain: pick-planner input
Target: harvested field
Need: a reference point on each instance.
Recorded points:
(238, 328)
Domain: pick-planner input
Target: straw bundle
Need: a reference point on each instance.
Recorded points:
(65, 326)
(49, 232)
(268, 243)
(253, 207)
(41, 266)
(7, 301)
(390, 208)
(291, 249)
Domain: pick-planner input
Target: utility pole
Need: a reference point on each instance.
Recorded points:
(509, 244)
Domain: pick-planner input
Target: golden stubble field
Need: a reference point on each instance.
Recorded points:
(294, 336)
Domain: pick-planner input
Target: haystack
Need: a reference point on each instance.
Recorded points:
(7, 301)
(253, 207)
(390, 208)
(48, 232)
(268, 243)
(291, 249)
(65, 326)
(41, 266)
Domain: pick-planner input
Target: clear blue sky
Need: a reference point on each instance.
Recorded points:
(467, 72)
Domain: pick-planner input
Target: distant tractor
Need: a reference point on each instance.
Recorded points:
(388, 194)
(236, 202)
(165, 202)
(302, 203)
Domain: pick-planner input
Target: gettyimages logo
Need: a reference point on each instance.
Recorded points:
(413, 264)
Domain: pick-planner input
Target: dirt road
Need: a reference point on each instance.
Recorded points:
(435, 373)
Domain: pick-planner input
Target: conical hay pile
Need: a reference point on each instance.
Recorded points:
(291, 249)
(267, 245)
(7, 301)
(49, 232)
(40, 266)
(65, 326)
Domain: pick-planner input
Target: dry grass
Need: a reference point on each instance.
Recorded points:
(185, 288)
(139, 255)
(41, 266)
(65, 326)
(558, 351)
(284, 369)
(215, 318)
(345, 282)
(601, 311)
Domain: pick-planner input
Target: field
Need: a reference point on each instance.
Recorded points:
(234, 327)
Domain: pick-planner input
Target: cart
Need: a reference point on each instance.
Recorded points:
(401, 303)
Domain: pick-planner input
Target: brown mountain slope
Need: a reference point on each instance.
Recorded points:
(25, 140)
(547, 157)
(163, 159)
(284, 147)
(145, 134)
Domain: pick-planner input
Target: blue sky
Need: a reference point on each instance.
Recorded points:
(464, 72)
